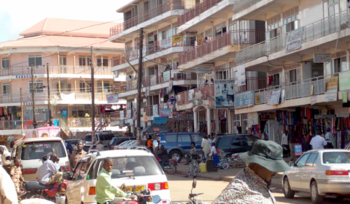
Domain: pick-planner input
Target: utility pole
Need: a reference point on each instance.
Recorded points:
(22, 112)
(33, 96)
(48, 93)
(92, 96)
(139, 87)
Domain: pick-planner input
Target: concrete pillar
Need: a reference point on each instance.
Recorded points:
(217, 123)
(195, 120)
(230, 121)
(208, 121)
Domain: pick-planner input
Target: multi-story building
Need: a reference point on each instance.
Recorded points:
(161, 79)
(306, 60)
(58, 54)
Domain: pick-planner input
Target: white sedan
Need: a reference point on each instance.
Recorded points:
(321, 173)
(131, 167)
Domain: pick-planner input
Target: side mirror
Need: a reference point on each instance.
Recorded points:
(291, 163)
(156, 199)
(194, 183)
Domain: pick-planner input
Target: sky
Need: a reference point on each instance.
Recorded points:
(18, 15)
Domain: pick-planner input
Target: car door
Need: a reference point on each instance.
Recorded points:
(79, 179)
(197, 139)
(309, 171)
(184, 142)
(295, 173)
(72, 186)
(239, 144)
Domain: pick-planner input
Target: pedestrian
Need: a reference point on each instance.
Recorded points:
(205, 147)
(8, 194)
(214, 155)
(318, 142)
(99, 146)
(163, 156)
(252, 185)
(105, 190)
(193, 166)
(149, 143)
(48, 172)
(6, 164)
(17, 176)
(329, 139)
(77, 155)
(285, 145)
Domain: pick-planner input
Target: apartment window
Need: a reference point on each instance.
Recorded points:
(35, 60)
(274, 80)
(333, 7)
(6, 90)
(38, 86)
(102, 61)
(65, 86)
(274, 26)
(290, 19)
(5, 63)
(85, 86)
(339, 65)
(82, 61)
(106, 86)
(221, 75)
(293, 76)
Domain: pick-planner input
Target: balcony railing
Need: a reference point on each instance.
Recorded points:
(17, 124)
(196, 11)
(152, 13)
(252, 84)
(311, 32)
(241, 37)
(203, 93)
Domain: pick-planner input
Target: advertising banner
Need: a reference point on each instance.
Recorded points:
(332, 84)
(160, 120)
(165, 112)
(112, 98)
(245, 99)
(294, 40)
(224, 93)
(273, 97)
(241, 75)
(177, 38)
(166, 76)
(344, 81)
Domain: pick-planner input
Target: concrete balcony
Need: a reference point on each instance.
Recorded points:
(203, 13)
(151, 52)
(219, 49)
(259, 9)
(184, 99)
(315, 34)
(252, 84)
(153, 18)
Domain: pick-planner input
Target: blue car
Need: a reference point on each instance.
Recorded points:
(178, 144)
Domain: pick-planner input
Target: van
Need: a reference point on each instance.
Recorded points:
(104, 137)
(32, 150)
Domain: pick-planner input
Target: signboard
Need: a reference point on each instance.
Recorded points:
(177, 38)
(344, 81)
(25, 76)
(331, 96)
(64, 113)
(155, 110)
(112, 98)
(241, 75)
(345, 96)
(332, 84)
(165, 112)
(224, 93)
(166, 76)
(245, 99)
(298, 150)
(273, 97)
(321, 58)
(294, 39)
(160, 120)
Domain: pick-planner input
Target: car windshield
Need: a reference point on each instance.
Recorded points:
(224, 142)
(37, 150)
(88, 138)
(132, 166)
(336, 158)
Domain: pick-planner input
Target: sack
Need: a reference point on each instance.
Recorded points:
(211, 166)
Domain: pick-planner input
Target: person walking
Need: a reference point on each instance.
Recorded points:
(149, 143)
(285, 145)
(8, 194)
(205, 147)
(214, 155)
(6, 164)
(17, 176)
(252, 185)
(329, 139)
(318, 142)
(193, 166)
(105, 191)
(77, 155)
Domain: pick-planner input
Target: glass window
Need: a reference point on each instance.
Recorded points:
(311, 161)
(302, 161)
(38, 86)
(5, 63)
(106, 86)
(84, 86)
(82, 61)
(6, 89)
(37, 150)
(336, 158)
(184, 138)
(224, 142)
(35, 60)
(197, 138)
(170, 138)
(105, 61)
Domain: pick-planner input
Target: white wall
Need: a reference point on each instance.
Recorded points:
(310, 11)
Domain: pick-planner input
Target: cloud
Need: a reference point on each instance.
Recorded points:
(18, 15)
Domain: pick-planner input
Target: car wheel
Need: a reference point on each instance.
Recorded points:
(176, 154)
(288, 192)
(315, 197)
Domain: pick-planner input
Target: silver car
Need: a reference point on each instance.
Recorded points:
(321, 173)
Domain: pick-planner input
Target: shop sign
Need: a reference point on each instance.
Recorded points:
(160, 120)
(321, 58)
(177, 38)
(332, 84)
(155, 110)
(294, 40)
(298, 150)
(344, 81)
(25, 76)
(273, 97)
(165, 112)
(112, 98)
(245, 99)
(330, 96)
(166, 76)
(64, 113)
(241, 75)
(224, 93)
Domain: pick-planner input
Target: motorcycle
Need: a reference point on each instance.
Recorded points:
(170, 167)
(142, 197)
(192, 196)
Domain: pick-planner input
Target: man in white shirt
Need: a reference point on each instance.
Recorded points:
(285, 145)
(329, 139)
(318, 142)
(8, 194)
(48, 172)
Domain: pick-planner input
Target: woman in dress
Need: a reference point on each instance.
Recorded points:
(193, 167)
(16, 175)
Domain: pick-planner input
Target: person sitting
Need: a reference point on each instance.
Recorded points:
(48, 172)
(163, 156)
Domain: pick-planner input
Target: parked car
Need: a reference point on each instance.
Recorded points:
(126, 145)
(178, 144)
(105, 137)
(133, 168)
(118, 140)
(32, 150)
(232, 144)
(319, 172)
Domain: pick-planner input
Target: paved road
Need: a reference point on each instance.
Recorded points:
(180, 187)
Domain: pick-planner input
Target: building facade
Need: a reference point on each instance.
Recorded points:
(56, 53)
